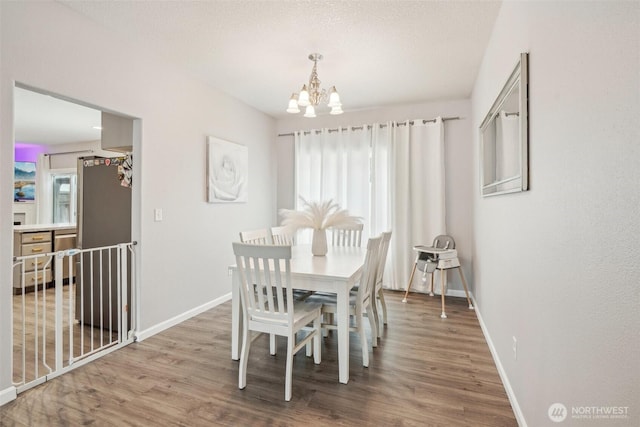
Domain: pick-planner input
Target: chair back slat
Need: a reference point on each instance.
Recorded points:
(382, 256)
(281, 236)
(347, 236)
(369, 270)
(265, 287)
(256, 237)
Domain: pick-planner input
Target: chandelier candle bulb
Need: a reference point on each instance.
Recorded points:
(303, 98)
(312, 95)
(293, 104)
(334, 98)
(310, 111)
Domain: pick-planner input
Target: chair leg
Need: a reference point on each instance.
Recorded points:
(291, 342)
(443, 280)
(373, 321)
(431, 285)
(376, 318)
(384, 307)
(244, 357)
(308, 348)
(363, 340)
(466, 289)
(272, 344)
(317, 341)
(415, 264)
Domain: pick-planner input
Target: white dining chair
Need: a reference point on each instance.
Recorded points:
(263, 268)
(378, 294)
(361, 300)
(258, 237)
(281, 236)
(347, 236)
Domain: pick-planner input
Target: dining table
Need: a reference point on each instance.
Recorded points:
(337, 273)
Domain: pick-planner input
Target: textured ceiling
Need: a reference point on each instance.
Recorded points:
(376, 53)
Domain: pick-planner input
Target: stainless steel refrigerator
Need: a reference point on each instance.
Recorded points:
(104, 219)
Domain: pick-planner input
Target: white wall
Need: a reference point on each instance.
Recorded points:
(183, 259)
(458, 157)
(557, 266)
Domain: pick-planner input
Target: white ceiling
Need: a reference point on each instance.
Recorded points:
(376, 53)
(43, 119)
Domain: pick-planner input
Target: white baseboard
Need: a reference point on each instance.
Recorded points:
(7, 395)
(503, 375)
(143, 335)
(456, 293)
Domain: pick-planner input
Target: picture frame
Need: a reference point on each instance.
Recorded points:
(227, 171)
(24, 181)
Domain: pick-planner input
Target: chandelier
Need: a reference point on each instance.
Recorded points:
(310, 96)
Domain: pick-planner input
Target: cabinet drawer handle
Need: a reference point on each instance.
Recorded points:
(37, 238)
(35, 250)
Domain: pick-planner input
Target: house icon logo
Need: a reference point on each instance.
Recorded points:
(557, 412)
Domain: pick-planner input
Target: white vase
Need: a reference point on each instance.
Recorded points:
(319, 243)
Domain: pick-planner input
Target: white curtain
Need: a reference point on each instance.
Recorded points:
(334, 165)
(391, 174)
(507, 146)
(408, 188)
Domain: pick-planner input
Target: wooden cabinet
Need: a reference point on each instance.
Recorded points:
(64, 239)
(32, 243)
(35, 240)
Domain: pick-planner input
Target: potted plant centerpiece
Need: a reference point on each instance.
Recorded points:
(318, 216)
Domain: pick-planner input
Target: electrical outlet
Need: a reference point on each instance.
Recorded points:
(157, 214)
(515, 348)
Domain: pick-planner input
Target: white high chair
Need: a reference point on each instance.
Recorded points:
(441, 256)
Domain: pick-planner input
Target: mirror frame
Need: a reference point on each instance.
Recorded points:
(520, 182)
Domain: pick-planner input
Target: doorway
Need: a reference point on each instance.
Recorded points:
(57, 283)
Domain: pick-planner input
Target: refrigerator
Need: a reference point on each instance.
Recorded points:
(104, 219)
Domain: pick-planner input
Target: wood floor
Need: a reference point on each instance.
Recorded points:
(425, 372)
(85, 338)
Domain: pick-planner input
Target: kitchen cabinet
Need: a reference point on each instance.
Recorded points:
(40, 239)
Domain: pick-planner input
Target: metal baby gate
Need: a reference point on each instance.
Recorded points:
(79, 316)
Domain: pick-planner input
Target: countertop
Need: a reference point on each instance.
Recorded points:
(43, 227)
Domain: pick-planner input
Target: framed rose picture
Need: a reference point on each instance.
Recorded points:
(227, 171)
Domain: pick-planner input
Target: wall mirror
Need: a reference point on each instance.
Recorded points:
(504, 137)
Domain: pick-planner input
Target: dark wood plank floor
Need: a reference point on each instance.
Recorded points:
(425, 372)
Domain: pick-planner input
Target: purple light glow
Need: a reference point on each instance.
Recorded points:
(28, 152)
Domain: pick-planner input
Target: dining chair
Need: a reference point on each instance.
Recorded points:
(360, 302)
(258, 237)
(347, 235)
(281, 236)
(263, 268)
(378, 295)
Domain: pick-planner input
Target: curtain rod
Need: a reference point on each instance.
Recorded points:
(68, 152)
(382, 125)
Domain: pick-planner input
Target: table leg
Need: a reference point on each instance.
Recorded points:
(236, 318)
(342, 321)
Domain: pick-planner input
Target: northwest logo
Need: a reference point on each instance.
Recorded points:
(557, 412)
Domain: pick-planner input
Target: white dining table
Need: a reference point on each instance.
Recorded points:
(336, 273)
